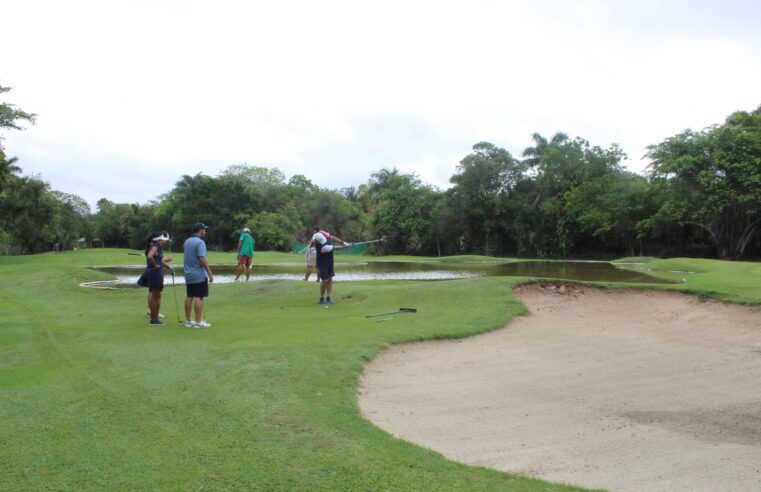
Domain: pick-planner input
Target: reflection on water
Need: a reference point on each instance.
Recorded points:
(397, 270)
(599, 271)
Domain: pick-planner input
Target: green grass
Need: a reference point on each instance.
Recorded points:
(94, 398)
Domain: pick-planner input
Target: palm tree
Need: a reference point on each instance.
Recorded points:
(534, 154)
(8, 168)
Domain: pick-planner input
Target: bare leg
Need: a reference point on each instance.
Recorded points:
(237, 271)
(188, 304)
(329, 287)
(248, 272)
(198, 309)
(154, 303)
(309, 274)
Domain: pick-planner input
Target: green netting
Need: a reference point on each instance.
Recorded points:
(359, 249)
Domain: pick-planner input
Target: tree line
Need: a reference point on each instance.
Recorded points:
(561, 198)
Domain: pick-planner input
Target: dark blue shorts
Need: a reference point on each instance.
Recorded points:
(326, 270)
(201, 289)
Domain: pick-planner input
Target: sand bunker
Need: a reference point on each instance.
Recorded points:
(624, 390)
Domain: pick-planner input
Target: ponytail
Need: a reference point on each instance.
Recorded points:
(153, 237)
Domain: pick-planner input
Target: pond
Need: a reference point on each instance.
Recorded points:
(126, 276)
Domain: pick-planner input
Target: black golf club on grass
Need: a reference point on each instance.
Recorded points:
(401, 310)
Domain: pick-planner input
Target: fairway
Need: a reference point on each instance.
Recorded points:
(94, 398)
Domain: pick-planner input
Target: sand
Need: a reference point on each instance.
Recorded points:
(621, 390)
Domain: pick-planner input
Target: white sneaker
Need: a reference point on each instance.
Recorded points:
(190, 324)
(203, 324)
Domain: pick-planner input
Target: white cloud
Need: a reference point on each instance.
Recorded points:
(131, 96)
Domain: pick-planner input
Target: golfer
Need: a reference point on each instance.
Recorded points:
(246, 244)
(327, 235)
(154, 274)
(197, 276)
(324, 262)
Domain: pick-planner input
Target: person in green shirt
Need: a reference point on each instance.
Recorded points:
(245, 253)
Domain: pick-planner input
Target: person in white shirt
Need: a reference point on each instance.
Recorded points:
(324, 249)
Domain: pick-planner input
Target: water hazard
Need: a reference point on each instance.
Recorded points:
(127, 276)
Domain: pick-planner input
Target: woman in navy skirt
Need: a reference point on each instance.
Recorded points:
(154, 273)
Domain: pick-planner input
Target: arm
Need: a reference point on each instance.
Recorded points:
(152, 258)
(167, 259)
(205, 264)
(240, 245)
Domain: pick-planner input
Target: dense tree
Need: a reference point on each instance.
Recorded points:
(71, 221)
(121, 225)
(333, 212)
(273, 231)
(10, 118)
(712, 180)
(26, 205)
(565, 198)
(401, 211)
(564, 167)
(609, 208)
(481, 178)
(29, 207)
(192, 200)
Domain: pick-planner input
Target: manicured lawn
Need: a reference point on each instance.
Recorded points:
(731, 281)
(94, 398)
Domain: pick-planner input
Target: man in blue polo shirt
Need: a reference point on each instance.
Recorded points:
(197, 276)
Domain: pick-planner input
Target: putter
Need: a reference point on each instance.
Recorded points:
(176, 306)
(401, 310)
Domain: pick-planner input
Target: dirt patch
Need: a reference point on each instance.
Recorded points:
(624, 390)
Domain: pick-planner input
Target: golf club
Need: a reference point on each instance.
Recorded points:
(174, 289)
(401, 310)
(369, 242)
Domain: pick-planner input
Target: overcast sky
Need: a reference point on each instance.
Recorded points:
(132, 95)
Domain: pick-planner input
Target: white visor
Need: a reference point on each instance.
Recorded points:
(163, 237)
